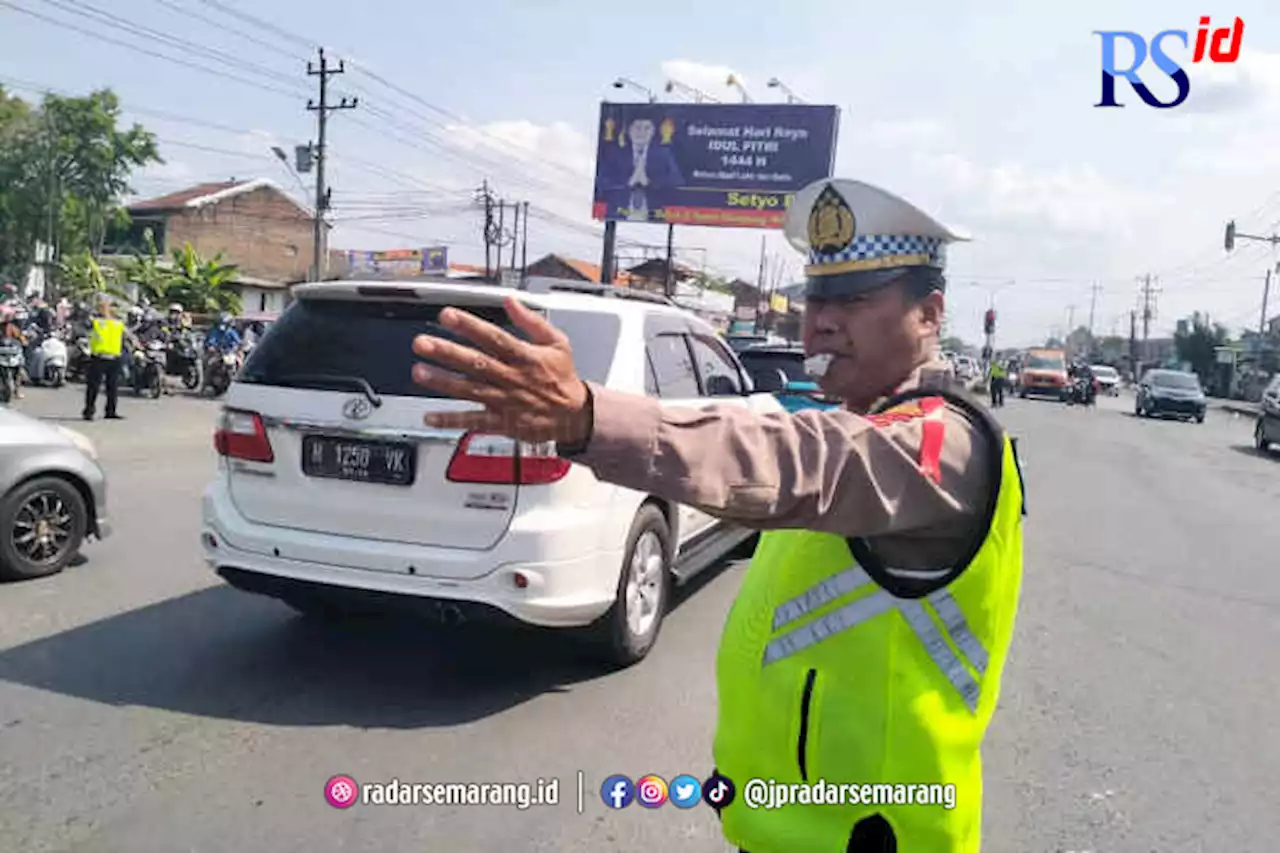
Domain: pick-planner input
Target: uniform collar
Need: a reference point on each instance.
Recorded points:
(933, 374)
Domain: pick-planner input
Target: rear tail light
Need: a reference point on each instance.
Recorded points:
(496, 459)
(242, 435)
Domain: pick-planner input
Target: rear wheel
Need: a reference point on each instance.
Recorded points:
(55, 377)
(155, 384)
(42, 526)
(629, 630)
(1260, 440)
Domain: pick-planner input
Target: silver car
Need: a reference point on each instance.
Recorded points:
(53, 494)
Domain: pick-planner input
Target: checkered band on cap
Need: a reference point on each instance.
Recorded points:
(880, 250)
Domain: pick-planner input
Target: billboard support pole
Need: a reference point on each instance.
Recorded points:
(667, 285)
(606, 258)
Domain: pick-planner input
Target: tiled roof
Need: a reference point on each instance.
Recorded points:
(200, 194)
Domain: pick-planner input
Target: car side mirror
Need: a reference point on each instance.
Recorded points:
(771, 381)
(721, 386)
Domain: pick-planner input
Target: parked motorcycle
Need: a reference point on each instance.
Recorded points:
(220, 370)
(11, 359)
(148, 369)
(47, 362)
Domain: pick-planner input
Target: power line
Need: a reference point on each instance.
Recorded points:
(258, 22)
(182, 10)
(322, 108)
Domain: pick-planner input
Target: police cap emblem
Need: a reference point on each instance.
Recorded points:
(831, 222)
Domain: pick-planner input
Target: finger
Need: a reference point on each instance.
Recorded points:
(533, 324)
(472, 362)
(461, 388)
(469, 421)
(484, 334)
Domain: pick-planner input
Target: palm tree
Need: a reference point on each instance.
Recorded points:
(203, 286)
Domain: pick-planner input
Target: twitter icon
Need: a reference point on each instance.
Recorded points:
(686, 792)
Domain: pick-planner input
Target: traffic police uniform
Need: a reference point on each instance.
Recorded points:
(868, 639)
(106, 347)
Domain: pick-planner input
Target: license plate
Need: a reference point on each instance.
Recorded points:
(383, 462)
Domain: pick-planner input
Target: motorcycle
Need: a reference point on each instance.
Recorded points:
(1083, 392)
(148, 369)
(183, 359)
(11, 359)
(78, 359)
(47, 362)
(220, 370)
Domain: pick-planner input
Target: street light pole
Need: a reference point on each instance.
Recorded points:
(792, 97)
(627, 83)
(698, 95)
(734, 83)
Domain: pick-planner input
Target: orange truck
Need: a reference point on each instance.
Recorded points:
(1044, 373)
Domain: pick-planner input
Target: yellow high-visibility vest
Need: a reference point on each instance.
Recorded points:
(826, 675)
(106, 337)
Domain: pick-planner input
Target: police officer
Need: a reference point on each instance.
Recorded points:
(106, 348)
(997, 377)
(869, 636)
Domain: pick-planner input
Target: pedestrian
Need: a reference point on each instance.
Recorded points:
(869, 636)
(997, 378)
(106, 348)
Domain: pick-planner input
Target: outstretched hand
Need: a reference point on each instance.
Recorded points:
(529, 389)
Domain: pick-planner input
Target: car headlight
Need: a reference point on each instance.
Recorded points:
(81, 441)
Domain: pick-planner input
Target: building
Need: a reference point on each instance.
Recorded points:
(572, 269)
(252, 223)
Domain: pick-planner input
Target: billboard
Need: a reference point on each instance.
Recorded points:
(732, 165)
(399, 262)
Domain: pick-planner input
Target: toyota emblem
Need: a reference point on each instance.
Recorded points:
(357, 408)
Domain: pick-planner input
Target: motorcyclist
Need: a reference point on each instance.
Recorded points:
(11, 329)
(45, 318)
(177, 320)
(151, 328)
(223, 337)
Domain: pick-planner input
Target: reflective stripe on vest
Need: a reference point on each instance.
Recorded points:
(913, 612)
(106, 337)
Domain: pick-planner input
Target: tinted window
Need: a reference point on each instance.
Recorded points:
(1185, 381)
(372, 340)
(1046, 362)
(650, 378)
(763, 366)
(673, 367)
(719, 374)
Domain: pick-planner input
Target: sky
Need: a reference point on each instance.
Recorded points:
(980, 113)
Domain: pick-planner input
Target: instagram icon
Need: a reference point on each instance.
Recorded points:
(651, 791)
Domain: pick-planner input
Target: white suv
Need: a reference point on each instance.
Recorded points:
(332, 495)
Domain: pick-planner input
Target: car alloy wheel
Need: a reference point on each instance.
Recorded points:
(644, 591)
(45, 521)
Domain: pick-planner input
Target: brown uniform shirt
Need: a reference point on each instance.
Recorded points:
(828, 471)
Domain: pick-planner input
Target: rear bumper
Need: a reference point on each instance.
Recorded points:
(562, 593)
(1184, 408)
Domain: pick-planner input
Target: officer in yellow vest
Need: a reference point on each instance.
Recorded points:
(998, 378)
(106, 348)
(861, 661)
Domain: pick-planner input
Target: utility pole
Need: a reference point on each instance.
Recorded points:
(499, 241)
(669, 284)
(322, 110)
(524, 249)
(1093, 307)
(1266, 294)
(1133, 343)
(486, 198)
(48, 255)
(760, 284)
(515, 232)
(1071, 319)
(1148, 307)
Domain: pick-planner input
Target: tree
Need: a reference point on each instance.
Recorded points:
(1195, 343)
(203, 286)
(85, 280)
(65, 168)
(956, 345)
(145, 271)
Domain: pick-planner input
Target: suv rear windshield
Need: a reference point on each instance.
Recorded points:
(372, 340)
(759, 364)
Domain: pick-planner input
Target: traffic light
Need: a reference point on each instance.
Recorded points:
(989, 322)
(1230, 241)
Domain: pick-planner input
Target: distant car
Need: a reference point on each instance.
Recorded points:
(740, 342)
(1173, 393)
(1044, 372)
(1107, 379)
(54, 496)
(779, 370)
(1266, 430)
(966, 368)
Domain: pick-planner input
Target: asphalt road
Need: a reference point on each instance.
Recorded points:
(145, 708)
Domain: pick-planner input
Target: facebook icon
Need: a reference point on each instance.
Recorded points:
(617, 792)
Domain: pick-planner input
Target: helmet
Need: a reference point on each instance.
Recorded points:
(135, 313)
(224, 319)
(175, 308)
